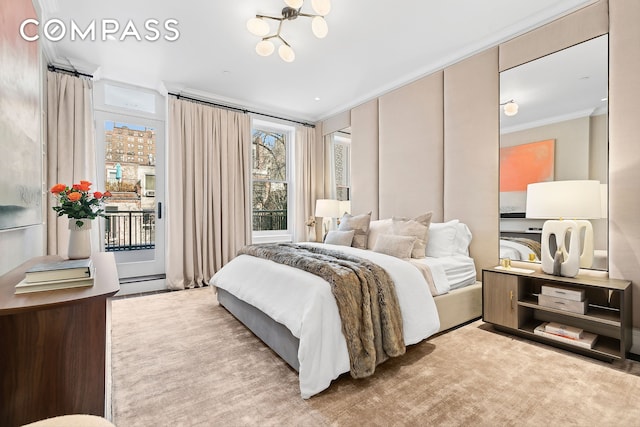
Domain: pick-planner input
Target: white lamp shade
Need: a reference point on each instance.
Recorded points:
(321, 7)
(286, 53)
(327, 208)
(319, 27)
(511, 108)
(265, 48)
(258, 27)
(579, 199)
(296, 4)
(345, 207)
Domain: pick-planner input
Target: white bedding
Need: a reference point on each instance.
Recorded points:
(310, 312)
(456, 271)
(515, 251)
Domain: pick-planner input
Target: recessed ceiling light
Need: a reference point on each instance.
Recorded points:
(317, 98)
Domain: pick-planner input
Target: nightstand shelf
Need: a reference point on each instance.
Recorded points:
(510, 303)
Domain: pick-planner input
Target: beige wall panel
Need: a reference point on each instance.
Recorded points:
(364, 159)
(411, 149)
(624, 149)
(584, 24)
(471, 130)
(337, 122)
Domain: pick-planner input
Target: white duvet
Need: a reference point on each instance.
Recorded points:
(304, 303)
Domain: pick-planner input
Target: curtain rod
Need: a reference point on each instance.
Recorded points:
(64, 70)
(228, 107)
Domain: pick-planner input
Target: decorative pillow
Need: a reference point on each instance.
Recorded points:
(397, 246)
(418, 227)
(358, 223)
(376, 228)
(342, 238)
(442, 237)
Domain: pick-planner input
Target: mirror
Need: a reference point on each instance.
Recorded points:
(558, 130)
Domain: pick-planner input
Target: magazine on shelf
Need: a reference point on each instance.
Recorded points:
(60, 270)
(587, 341)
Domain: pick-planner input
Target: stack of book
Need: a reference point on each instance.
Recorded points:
(567, 334)
(57, 275)
(566, 299)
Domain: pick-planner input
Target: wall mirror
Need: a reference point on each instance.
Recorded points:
(553, 127)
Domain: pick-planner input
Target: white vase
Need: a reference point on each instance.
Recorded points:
(79, 239)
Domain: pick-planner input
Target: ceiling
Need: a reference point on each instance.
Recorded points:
(373, 46)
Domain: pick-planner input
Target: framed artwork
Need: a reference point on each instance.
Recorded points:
(521, 165)
(20, 140)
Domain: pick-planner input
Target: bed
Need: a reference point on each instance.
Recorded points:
(302, 325)
(519, 248)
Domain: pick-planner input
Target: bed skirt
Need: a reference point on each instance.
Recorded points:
(454, 308)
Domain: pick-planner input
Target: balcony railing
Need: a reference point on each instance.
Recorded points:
(269, 220)
(129, 230)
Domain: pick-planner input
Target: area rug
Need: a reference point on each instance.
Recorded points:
(179, 359)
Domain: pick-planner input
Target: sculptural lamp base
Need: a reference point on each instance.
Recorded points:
(79, 239)
(557, 258)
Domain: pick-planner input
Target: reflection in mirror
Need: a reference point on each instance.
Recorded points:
(340, 164)
(557, 131)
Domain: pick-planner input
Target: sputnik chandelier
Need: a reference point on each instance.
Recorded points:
(260, 27)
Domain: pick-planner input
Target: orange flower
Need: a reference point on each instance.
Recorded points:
(83, 186)
(107, 194)
(58, 188)
(74, 196)
(97, 195)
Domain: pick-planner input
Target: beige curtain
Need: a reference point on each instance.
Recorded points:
(305, 180)
(209, 198)
(70, 149)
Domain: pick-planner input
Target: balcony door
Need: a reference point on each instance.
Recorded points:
(130, 165)
(132, 171)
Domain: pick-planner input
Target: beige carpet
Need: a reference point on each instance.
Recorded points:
(178, 359)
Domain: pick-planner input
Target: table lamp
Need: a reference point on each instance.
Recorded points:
(566, 244)
(327, 209)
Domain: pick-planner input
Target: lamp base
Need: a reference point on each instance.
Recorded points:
(557, 259)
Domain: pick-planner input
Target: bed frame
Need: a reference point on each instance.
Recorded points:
(454, 308)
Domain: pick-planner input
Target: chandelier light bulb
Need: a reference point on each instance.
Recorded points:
(319, 27)
(258, 27)
(511, 108)
(286, 53)
(296, 4)
(321, 7)
(265, 48)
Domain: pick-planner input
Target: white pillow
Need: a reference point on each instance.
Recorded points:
(463, 239)
(397, 246)
(442, 237)
(378, 227)
(342, 238)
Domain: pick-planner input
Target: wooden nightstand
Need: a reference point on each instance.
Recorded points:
(53, 344)
(510, 303)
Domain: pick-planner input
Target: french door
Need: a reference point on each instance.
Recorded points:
(131, 165)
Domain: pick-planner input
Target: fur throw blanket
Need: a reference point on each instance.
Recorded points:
(365, 295)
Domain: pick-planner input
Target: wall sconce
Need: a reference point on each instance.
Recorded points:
(566, 244)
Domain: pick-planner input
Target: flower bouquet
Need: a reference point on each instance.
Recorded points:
(78, 202)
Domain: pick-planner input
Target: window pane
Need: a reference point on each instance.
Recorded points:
(269, 206)
(269, 155)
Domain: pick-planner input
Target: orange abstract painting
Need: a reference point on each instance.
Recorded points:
(524, 164)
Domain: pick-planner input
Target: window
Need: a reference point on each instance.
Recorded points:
(271, 189)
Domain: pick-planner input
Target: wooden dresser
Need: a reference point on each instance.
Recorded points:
(52, 346)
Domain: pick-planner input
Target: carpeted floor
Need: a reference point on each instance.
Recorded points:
(179, 359)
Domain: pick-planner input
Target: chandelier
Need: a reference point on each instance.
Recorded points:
(260, 27)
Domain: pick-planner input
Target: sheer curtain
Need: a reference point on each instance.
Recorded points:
(305, 180)
(70, 149)
(209, 198)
